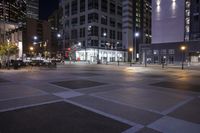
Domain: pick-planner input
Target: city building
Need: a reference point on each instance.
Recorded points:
(12, 16)
(37, 34)
(136, 24)
(92, 30)
(55, 33)
(175, 23)
(32, 9)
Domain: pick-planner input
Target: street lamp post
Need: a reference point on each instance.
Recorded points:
(31, 50)
(137, 34)
(183, 48)
(131, 51)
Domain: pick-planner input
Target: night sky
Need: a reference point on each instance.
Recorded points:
(46, 8)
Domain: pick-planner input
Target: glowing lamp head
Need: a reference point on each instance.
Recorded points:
(131, 49)
(183, 48)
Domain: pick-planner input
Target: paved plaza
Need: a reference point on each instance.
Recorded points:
(90, 98)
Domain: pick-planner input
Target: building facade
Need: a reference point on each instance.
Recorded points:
(13, 14)
(136, 24)
(12, 17)
(37, 34)
(93, 29)
(175, 23)
(55, 33)
(32, 9)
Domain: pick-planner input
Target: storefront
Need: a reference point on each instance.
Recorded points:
(92, 55)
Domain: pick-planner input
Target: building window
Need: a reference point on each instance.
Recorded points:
(82, 32)
(104, 5)
(74, 7)
(163, 51)
(74, 34)
(93, 17)
(112, 8)
(155, 52)
(112, 22)
(74, 21)
(93, 4)
(67, 9)
(93, 31)
(82, 5)
(104, 20)
(119, 10)
(104, 32)
(112, 34)
(119, 35)
(119, 25)
(171, 51)
(82, 20)
(94, 43)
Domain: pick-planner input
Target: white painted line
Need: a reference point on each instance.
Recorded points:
(31, 105)
(104, 114)
(133, 129)
(173, 125)
(68, 94)
(177, 106)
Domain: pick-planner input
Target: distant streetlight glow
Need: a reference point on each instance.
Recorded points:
(58, 35)
(31, 48)
(183, 48)
(35, 37)
(137, 34)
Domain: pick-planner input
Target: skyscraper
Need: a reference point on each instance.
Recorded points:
(136, 23)
(33, 9)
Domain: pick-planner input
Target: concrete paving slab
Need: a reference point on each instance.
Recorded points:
(47, 87)
(78, 84)
(17, 91)
(129, 113)
(185, 86)
(173, 125)
(188, 112)
(151, 100)
(58, 117)
(27, 101)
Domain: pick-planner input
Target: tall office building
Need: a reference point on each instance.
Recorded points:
(12, 16)
(93, 28)
(32, 9)
(136, 23)
(12, 11)
(174, 23)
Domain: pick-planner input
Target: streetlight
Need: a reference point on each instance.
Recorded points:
(35, 38)
(59, 35)
(183, 48)
(131, 51)
(31, 48)
(137, 34)
(79, 44)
